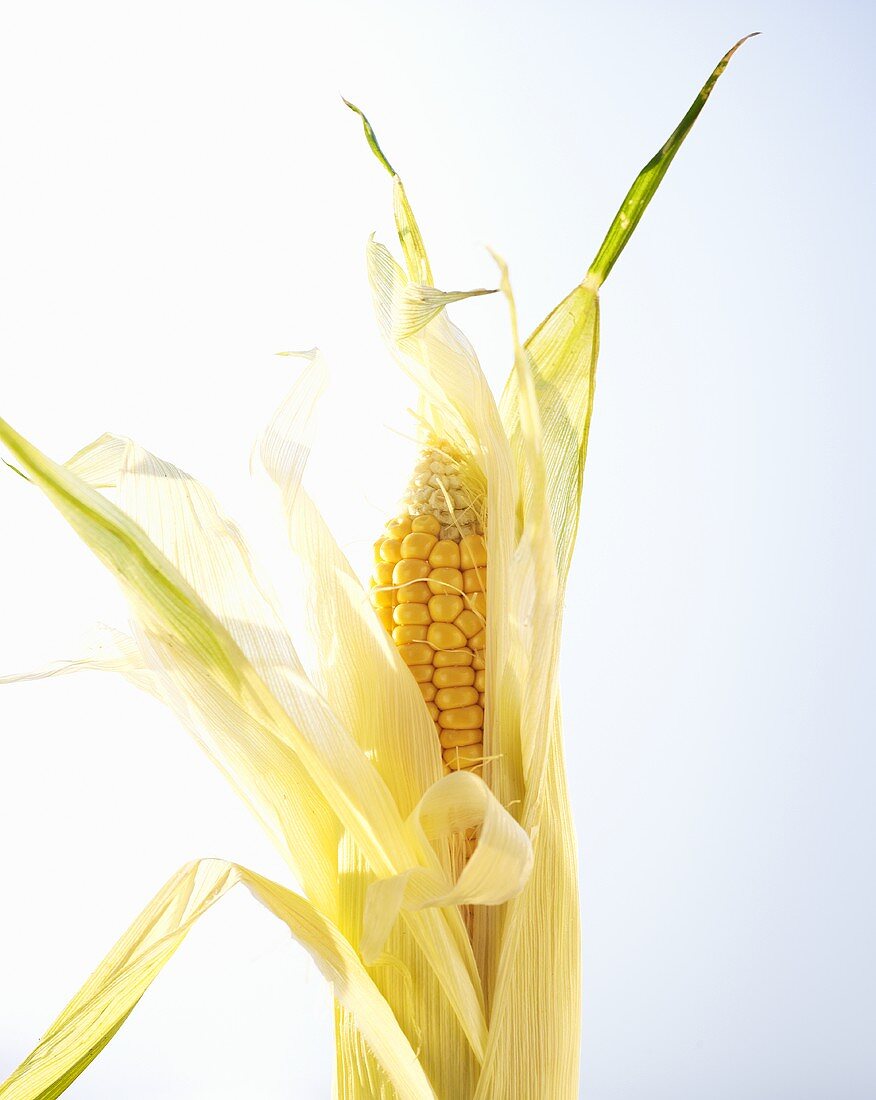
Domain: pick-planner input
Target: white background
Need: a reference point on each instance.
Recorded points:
(184, 195)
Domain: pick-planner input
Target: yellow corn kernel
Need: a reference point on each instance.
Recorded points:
(445, 636)
(427, 524)
(455, 739)
(416, 653)
(477, 601)
(455, 697)
(445, 555)
(398, 528)
(428, 691)
(446, 581)
(479, 640)
(472, 551)
(466, 621)
(422, 673)
(463, 718)
(390, 550)
(385, 615)
(434, 713)
(455, 676)
(444, 609)
(482, 698)
(418, 544)
(401, 635)
(452, 657)
(479, 662)
(412, 614)
(383, 572)
(464, 756)
(410, 569)
(418, 592)
(480, 680)
(382, 597)
(474, 580)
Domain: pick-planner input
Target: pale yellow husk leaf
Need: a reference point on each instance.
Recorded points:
(209, 670)
(184, 522)
(370, 689)
(104, 649)
(533, 1047)
(101, 1006)
(498, 870)
(211, 557)
(562, 351)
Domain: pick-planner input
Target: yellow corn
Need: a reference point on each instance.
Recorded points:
(429, 589)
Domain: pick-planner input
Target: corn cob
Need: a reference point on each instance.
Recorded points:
(429, 588)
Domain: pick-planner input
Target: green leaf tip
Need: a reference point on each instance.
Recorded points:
(649, 179)
(371, 138)
(14, 469)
